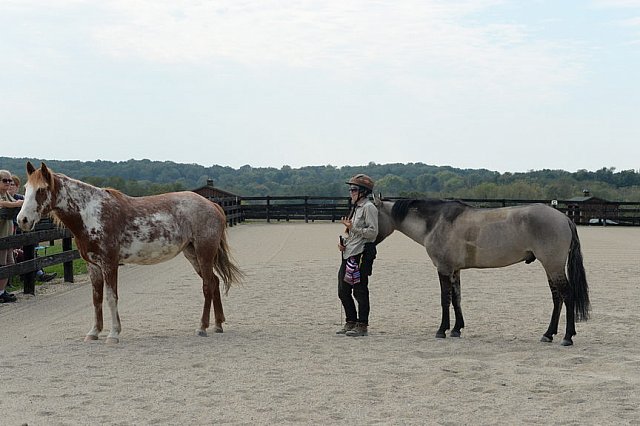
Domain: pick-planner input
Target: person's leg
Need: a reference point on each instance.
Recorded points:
(6, 258)
(4, 296)
(361, 294)
(344, 294)
(44, 277)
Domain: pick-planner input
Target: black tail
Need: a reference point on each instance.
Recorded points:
(578, 277)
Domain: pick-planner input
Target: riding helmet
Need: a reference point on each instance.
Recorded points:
(362, 181)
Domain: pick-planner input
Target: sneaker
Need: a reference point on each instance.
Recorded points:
(348, 326)
(359, 330)
(7, 297)
(47, 277)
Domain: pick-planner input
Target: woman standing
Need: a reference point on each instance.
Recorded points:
(6, 229)
(358, 252)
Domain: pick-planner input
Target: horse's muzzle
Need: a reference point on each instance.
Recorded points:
(24, 223)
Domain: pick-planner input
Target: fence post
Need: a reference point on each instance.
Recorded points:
(67, 266)
(306, 209)
(29, 279)
(236, 211)
(268, 208)
(225, 205)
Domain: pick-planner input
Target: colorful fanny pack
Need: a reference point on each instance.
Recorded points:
(352, 271)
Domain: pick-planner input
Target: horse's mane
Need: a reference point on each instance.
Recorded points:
(450, 209)
(112, 191)
(115, 193)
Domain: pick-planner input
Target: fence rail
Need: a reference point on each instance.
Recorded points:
(45, 231)
(311, 208)
(287, 208)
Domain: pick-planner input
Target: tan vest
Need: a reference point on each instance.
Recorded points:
(6, 226)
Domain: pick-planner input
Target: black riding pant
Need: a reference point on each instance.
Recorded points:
(360, 292)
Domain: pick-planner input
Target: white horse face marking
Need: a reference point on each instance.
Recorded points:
(37, 203)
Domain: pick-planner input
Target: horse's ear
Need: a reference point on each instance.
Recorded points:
(377, 200)
(30, 168)
(45, 172)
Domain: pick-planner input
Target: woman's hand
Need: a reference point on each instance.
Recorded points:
(346, 222)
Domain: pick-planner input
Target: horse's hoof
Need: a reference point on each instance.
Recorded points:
(218, 329)
(112, 341)
(200, 332)
(566, 342)
(455, 333)
(90, 338)
(441, 335)
(546, 339)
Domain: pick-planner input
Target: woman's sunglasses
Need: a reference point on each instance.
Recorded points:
(7, 181)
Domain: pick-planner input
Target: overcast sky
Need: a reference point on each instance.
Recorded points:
(502, 85)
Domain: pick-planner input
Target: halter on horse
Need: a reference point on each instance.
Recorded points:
(458, 236)
(111, 228)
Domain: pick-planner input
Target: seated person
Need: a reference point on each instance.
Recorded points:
(40, 274)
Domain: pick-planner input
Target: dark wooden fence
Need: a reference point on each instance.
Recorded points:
(310, 208)
(232, 208)
(45, 231)
(303, 207)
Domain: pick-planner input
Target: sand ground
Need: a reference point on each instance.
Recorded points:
(279, 360)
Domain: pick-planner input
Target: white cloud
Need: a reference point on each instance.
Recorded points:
(631, 22)
(617, 3)
(434, 46)
(296, 33)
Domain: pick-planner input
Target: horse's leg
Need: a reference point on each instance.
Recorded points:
(207, 290)
(217, 305)
(111, 281)
(570, 330)
(97, 281)
(456, 296)
(208, 287)
(555, 315)
(445, 301)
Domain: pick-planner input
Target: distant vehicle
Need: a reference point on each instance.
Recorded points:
(601, 221)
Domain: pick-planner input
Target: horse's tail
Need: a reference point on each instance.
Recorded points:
(225, 266)
(578, 277)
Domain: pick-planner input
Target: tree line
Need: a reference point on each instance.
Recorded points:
(145, 177)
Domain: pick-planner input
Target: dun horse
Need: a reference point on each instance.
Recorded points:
(458, 236)
(111, 228)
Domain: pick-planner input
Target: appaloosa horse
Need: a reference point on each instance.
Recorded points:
(458, 236)
(111, 228)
